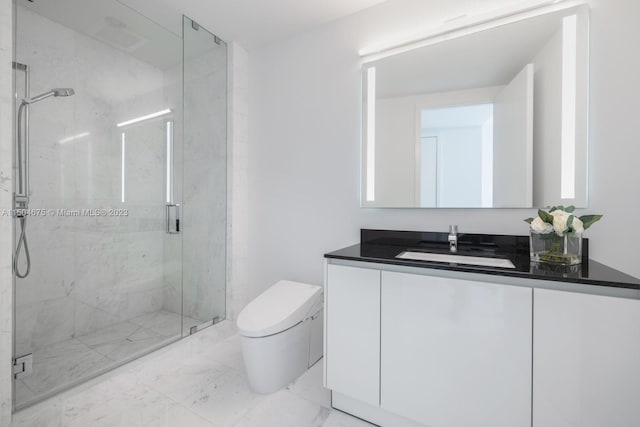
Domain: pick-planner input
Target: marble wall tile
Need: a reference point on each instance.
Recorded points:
(6, 188)
(238, 292)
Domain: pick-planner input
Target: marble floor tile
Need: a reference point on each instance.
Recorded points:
(160, 316)
(109, 335)
(185, 381)
(122, 341)
(191, 382)
(309, 386)
(340, 419)
(165, 323)
(59, 364)
(206, 340)
(45, 414)
(62, 363)
(229, 353)
(162, 322)
(23, 393)
(228, 400)
(126, 403)
(135, 345)
(284, 409)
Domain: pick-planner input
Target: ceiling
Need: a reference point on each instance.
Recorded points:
(251, 23)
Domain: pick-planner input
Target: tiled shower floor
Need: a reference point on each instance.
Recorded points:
(60, 364)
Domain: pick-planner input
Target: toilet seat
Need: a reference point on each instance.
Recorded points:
(279, 308)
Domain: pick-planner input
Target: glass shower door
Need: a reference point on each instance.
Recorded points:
(105, 243)
(205, 177)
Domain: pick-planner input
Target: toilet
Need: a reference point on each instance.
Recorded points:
(281, 334)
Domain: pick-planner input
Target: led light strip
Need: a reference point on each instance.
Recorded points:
(486, 21)
(143, 118)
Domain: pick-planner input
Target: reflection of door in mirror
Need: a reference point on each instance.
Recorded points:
(455, 170)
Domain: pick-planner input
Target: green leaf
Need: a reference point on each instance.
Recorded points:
(570, 223)
(570, 209)
(545, 216)
(528, 220)
(589, 220)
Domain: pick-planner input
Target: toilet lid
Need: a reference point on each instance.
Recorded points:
(277, 309)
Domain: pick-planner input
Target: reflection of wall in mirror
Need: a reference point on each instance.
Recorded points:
(513, 142)
(547, 122)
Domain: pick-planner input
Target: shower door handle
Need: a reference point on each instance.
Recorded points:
(172, 214)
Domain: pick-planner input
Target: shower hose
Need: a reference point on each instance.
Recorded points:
(22, 241)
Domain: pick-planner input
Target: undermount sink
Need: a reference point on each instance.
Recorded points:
(457, 259)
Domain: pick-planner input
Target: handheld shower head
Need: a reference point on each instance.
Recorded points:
(64, 91)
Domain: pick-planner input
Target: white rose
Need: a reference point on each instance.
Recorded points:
(539, 226)
(560, 219)
(577, 225)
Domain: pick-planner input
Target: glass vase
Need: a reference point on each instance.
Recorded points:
(553, 249)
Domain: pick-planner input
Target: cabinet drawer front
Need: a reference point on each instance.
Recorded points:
(456, 353)
(353, 332)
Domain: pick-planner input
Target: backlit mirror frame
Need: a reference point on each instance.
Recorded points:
(554, 178)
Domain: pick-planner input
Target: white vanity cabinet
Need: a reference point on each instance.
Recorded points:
(412, 347)
(352, 352)
(586, 360)
(455, 353)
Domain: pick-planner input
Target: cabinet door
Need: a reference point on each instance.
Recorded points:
(586, 360)
(353, 332)
(456, 353)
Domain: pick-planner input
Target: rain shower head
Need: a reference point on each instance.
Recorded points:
(62, 91)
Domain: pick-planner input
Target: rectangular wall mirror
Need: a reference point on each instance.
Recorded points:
(496, 118)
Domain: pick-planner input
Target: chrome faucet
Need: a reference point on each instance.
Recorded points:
(453, 238)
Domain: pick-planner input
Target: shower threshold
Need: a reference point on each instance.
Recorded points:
(62, 365)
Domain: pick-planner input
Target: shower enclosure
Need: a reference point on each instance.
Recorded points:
(121, 195)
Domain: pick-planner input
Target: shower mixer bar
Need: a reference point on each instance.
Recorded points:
(22, 192)
(21, 195)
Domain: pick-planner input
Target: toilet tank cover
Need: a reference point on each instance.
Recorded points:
(278, 308)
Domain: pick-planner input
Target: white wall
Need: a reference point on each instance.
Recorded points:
(238, 238)
(304, 146)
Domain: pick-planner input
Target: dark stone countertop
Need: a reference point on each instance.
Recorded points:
(382, 246)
